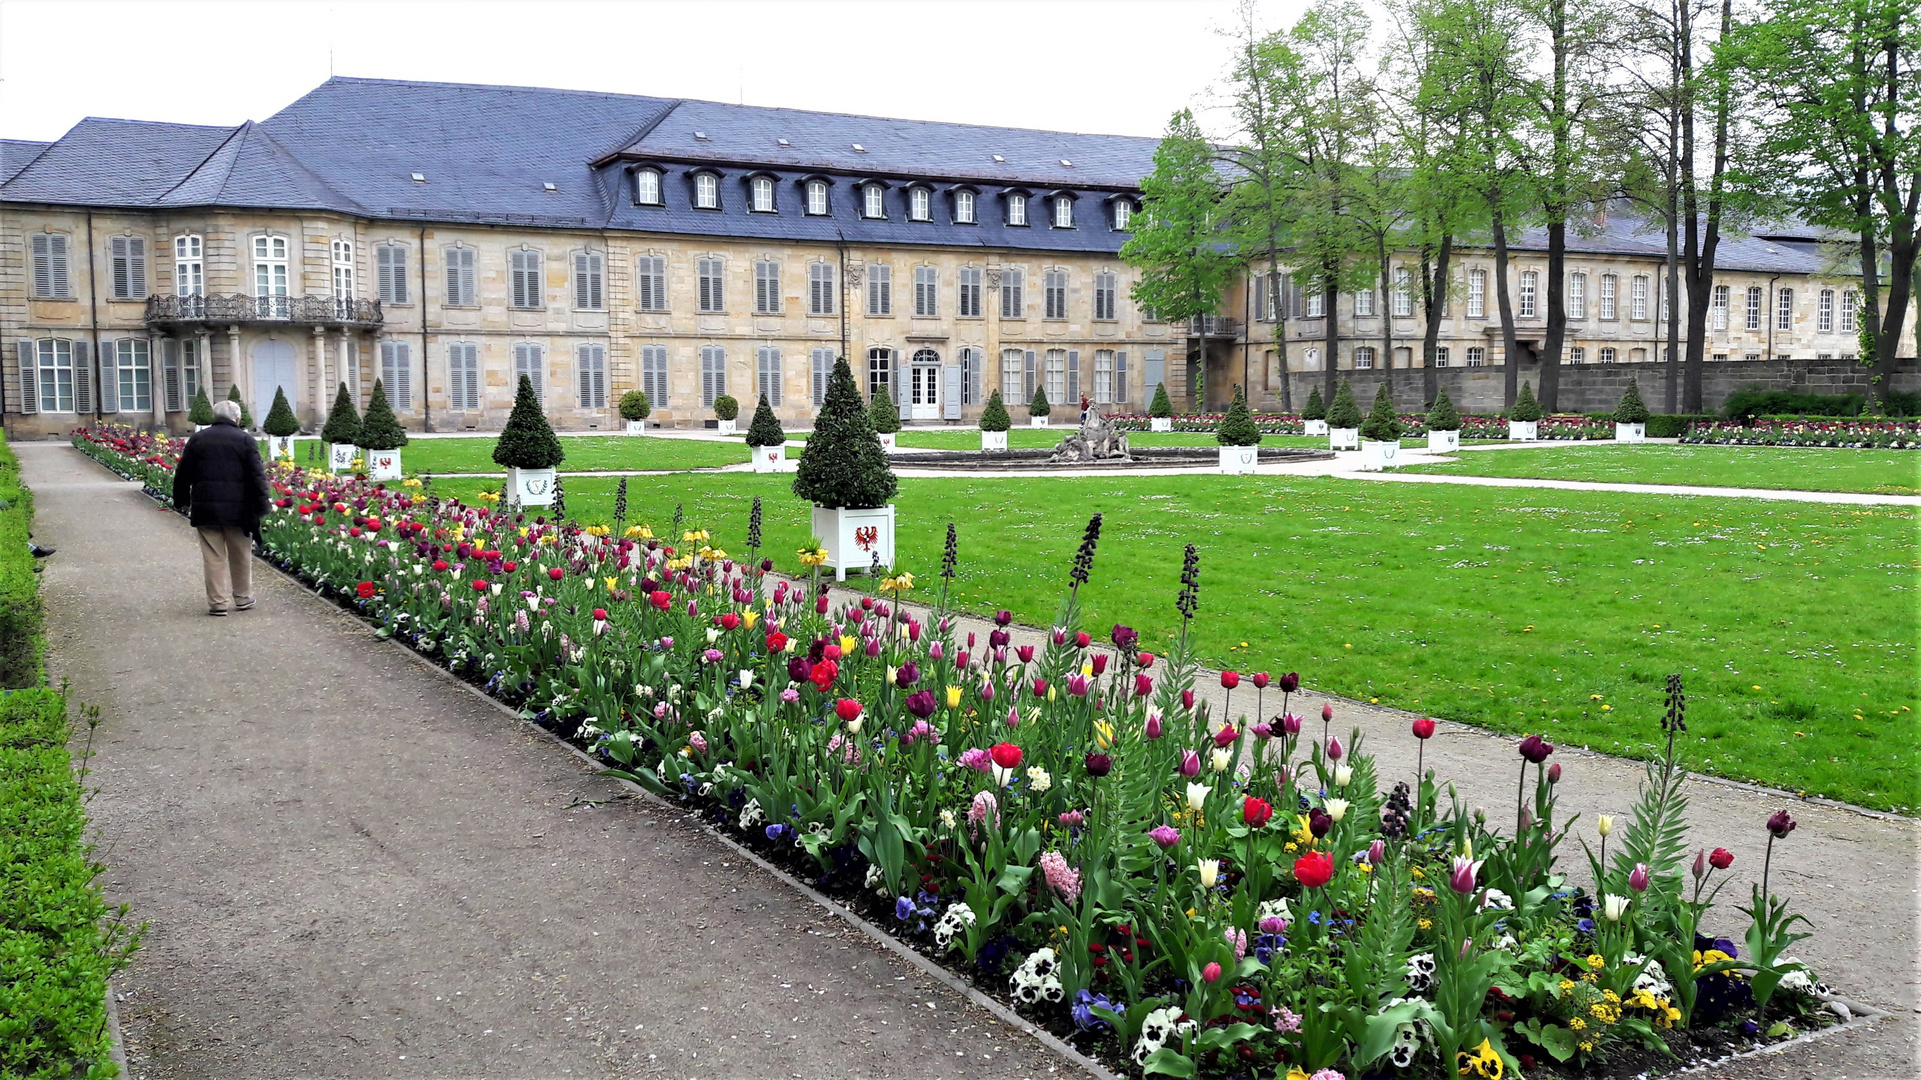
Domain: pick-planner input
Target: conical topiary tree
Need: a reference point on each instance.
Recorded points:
(1316, 408)
(1525, 407)
(280, 421)
(1382, 423)
(844, 465)
(994, 417)
(1237, 427)
(1441, 416)
(1631, 410)
(1039, 406)
(1162, 406)
(885, 414)
(379, 430)
(343, 423)
(246, 418)
(1344, 413)
(201, 412)
(528, 441)
(765, 429)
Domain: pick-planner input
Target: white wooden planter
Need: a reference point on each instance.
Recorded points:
(340, 456)
(888, 440)
(994, 440)
(772, 459)
(1344, 438)
(1523, 430)
(853, 537)
(1160, 423)
(1376, 456)
(725, 427)
(636, 427)
(1236, 460)
(1037, 421)
(279, 446)
(1443, 442)
(1314, 427)
(531, 487)
(1630, 433)
(383, 464)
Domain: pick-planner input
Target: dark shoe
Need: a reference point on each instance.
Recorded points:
(222, 612)
(38, 551)
(244, 605)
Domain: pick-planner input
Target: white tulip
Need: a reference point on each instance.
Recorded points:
(1221, 757)
(1336, 808)
(1210, 872)
(1343, 776)
(1613, 907)
(1197, 796)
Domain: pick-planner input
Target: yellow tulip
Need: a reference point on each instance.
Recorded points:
(953, 697)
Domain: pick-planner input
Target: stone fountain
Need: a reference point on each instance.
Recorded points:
(1095, 441)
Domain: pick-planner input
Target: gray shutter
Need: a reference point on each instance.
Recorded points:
(1120, 376)
(136, 267)
(953, 379)
(974, 359)
(109, 377)
(29, 378)
(1074, 377)
(170, 373)
(1293, 299)
(1027, 376)
(582, 293)
(82, 377)
(894, 380)
(119, 285)
(43, 265)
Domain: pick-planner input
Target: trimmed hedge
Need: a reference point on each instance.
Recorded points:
(1752, 401)
(1671, 425)
(19, 590)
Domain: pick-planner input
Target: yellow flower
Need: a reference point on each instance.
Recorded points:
(846, 645)
(1483, 1062)
(1566, 987)
(692, 535)
(953, 697)
(1577, 1024)
(1417, 872)
(639, 532)
(1425, 924)
(1103, 735)
(1295, 1073)
(812, 556)
(1596, 961)
(596, 530)
(750, 617)
(897, 584)
(611, 582)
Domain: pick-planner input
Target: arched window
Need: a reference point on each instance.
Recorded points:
(1063, 212)
(189, 274)
(1016, 209)
(920, 203)
(817, 197)
(763, 188)
(964, 208)
(874, 201)
(1123, 214)
(647, 187)
(706, 191)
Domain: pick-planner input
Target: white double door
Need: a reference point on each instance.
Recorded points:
(923, 391)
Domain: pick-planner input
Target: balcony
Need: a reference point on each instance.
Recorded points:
(1214, 326)
(229, 309)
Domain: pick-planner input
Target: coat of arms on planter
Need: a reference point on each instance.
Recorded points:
(865, 536)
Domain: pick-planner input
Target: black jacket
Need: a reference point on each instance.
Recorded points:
(221, 481)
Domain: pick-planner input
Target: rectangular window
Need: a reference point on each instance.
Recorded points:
(527, 289)
(189, 277)
(1638, 298)
(1784, 309)
(1104, 377)
(880, 289)
(52, 374)
(964, 208)
(1063, 212)
(647, 187)
(396, 374)
(1013, 293)
(1054, 291)
(1577, 296)
(971, 363)
(589, 281)
(460, 277)
(1364, 358)
(590, 361)
(873, 201)
(390, 262)
(880, 374)
(269, 266)
(127, 259)
(920, 204)
(1105, 290)
(1315, 304)
(1754, 307)
(822, 363)
(1824, 312)
(926, 292)
(650, 280)
(135, 378)
(713, 374)
(653, 374)
(1476, 356)
(530, 362)
(1263, 299)
(1123, 215)
(1608, 354)
(970, 292)
(1056, 375)
(51, 279)
(817, 197)
(763, 195)
(1017, 209)
(1440, 356)
(821, 289)
(1364, 304)
(1477, 294)
(767, 373)
(766, 287)
(1850, 300)
(343, 268)
(463, 374)
(706, 191)
(1530, 286)
(713, 294)
(1403, 293)
(1013, 374)
(1719, 308)
(1609, 285)
(1577, 355)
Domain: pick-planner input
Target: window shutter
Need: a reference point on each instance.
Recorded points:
(384, 272)
(973, 358)
(1120, 376)
(170, 373)
(136, 267)
(1073, 376)
(582, 291)
(117, 260)
(42, 264)
(109, 392)
(82, 376)
(894, 380)
(1027, 376)
(823, 367)
(454, 297)
(29, 378)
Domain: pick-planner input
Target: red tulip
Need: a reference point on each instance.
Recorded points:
(1040, 687)
(1260, 680)
(1721, 858)
(1082, 639)
(1211, 973)
(480, 584)
(1100, 663)
(1230, 679)
(820, 604)
(1143, 685)
(1256, 812)
(823, 674)
(365, 589)
(660, 599)
(831, 652)
(1187, 699)
(1226, 736)
(1327, 712)
(1006, 755)
(601, 614)
(1424, 728)
(776, 642)
(1145, 660)
(1314, 869)
(555, 573)
(730, 621)
(847, 709)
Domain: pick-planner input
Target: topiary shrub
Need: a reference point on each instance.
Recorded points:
(765, 430)
(725, 407)
(528, 441)
(1382, 423)
(635, 406)
(343, 423)
(1163, 406)
(844, 465)
(884, 413)
(201, 412)
(1237, 427)
(379, 430)
(994, 417)
(280, 421)
(1441, 416)
(1631, 410)
(1525, 407)
(1039, 406)
(1345, 413)
(246, 418)
(1316, 408)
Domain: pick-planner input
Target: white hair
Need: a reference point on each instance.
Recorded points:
(227, 410)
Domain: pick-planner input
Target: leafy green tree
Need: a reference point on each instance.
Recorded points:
(1316, 408)
(634, 406)
(1631, 410)
(233, 395)
(1345, 413)
(886, 414)
(1039, 406)
(280, 421)
(343, 422)
(726, 407)
(1441, 416)
(379, 429)
(1525, 408)
(528, 441)
(1238, 427)
(994, 417)
(844, 465)
(765, 430)
(1161, 408)
(1382, 424)
(202, 410)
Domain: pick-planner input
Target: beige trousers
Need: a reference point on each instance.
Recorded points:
(226, 560)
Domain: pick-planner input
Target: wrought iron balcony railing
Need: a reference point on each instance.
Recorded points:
(232, 308)
(1213, 326)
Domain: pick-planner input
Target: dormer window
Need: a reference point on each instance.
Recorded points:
(763, 188)
(1063, 212)
(647, 187)
(873, 201)
(964, 207)
(1123, 214)
(817, 198)
(920, 203)
(706, 191)
(1016, 209)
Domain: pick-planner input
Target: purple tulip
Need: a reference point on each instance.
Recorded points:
(1124, 637)
(1060, 636)
(1535, 749)
(1638, 878)
(1003, 617)
(873, 647)
(906, 675)
(1319, 823)
(1289, 682)
(1377, 852)
(1291, 724)
(1099, 765)
(987, 691)
(921, 703)
(935, 652)
(998, 639)
(1164, 835)
(1077, 684)
(1780, 824)
(1334, 751)
(1190, 764)
(1462, 879)
(1025, 652)
(1153, 727)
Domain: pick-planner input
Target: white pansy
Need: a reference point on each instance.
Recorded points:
(955, 919)
(1157, 1028)
(750, 814)
(1038, 978)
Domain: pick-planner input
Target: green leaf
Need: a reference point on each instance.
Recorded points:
(1013, 879)
(1168, 1061)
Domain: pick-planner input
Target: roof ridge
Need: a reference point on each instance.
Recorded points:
(639, 133)
(557, 90)
(215, 152)
(909, 120)
(280, 149)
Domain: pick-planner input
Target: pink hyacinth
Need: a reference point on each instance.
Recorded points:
(976, 758)
(1061, 877)
(1237, 940)
(1286, 1021)
(698, 742)
(983, 807)
(1328, 1074)
(1273, 924)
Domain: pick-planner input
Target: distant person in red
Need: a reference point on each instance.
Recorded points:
(221, 485)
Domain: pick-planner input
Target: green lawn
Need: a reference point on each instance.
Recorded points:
(1558, 612)
(1024, 438)
(1882, 472)
(584, 453)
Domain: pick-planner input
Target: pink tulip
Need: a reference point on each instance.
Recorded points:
(1377, 852)
(1327, 712)
(1211, 973)
(1638, 878)
(1334, 751)
(1153, 728)
(1462, 879)
(1190, 764)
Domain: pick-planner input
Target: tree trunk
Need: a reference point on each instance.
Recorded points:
(1433, 302)
(1672, 362)
(1331, 339)
(1387, 318)
(1556, 310)
(1700, 260)
(1510, 350)
(1280, 319)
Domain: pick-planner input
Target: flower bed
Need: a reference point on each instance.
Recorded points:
(134, 454)
(1180, 892)
(1869, 434)
(1413, 425)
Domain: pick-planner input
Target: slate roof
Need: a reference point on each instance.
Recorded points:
(114, 163)
(1792, 248)
(14, 155)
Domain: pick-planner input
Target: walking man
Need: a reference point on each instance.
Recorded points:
(221, 483)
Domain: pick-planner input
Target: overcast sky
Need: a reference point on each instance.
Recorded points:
(1109, 66)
